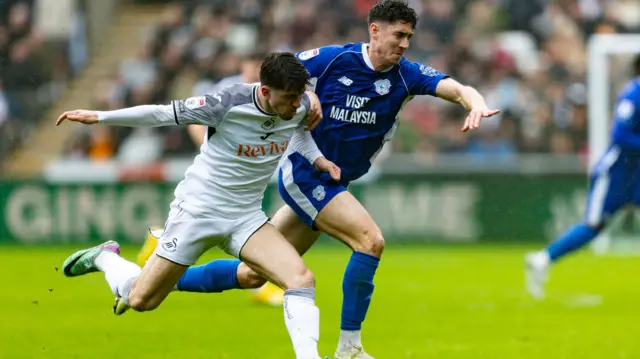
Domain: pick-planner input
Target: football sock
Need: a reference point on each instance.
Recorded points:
(302, 319)
(213, 277)
(357, 288)
(571, 240)
(348, 340)
(119, 272)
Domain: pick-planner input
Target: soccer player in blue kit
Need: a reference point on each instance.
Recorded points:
(615, 183)
(362, 87)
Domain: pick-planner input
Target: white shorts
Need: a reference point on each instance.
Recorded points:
(186, 237)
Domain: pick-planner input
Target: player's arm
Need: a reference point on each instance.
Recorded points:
(424, 80)
(197, 133)
(303, 143)
(204, 110)
(467, 97)
(623, 133)
(314, 116)
(139, 116)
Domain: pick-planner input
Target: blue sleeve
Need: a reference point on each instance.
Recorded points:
(626, 120)
(422, 79)
(317, 60)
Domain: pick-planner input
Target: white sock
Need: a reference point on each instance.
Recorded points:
(348, 340)
(541, 258)
(119, 272)
(302, 318)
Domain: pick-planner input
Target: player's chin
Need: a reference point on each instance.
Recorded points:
(396, 57)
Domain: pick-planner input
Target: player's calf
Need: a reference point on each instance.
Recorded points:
(248, 278)
(301, 315)
(157, 280)
(345, 219)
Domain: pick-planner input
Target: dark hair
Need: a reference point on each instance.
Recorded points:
(393, 11)
(283, 71)
(636, 65)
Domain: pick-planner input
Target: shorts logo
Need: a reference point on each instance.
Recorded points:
(195, 102)
(269, 124)
(382, 86)
(306, 55)
(170, 246)
(319, 193)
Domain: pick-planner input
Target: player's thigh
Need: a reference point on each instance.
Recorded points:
(184, 239)
(609, 191)
(269, 254)
(156, 281)
(346, 219)
(298, 233)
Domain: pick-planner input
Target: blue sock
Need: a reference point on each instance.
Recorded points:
(213, 277)
(571, 240)
(357, 289)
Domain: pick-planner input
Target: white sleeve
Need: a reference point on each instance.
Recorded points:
(139, 116)
(304, 144)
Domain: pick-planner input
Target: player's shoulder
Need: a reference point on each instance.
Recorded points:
(632, 90)
(416, 68)
(329, 52)
(234, 94)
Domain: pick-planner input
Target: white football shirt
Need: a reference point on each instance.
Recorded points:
(243, 147)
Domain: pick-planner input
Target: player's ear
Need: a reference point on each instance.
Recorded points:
(374, 29)
(265, 91)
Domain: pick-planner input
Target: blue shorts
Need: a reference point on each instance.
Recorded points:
(305, 189)
(614, 185)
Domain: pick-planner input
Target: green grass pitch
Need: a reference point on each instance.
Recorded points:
(432, 301)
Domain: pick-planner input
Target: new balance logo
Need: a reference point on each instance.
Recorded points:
(345, 81)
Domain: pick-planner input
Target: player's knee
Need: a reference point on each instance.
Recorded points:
(370, 241)
(300, 278)
(248, 278)
(142, 303)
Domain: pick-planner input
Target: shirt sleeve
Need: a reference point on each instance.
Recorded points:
(422, 79)
(316, 61)
(138, 116)
(208, 110)
(303, 143)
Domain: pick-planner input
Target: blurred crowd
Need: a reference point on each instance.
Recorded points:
(528, 58)
(38, 55)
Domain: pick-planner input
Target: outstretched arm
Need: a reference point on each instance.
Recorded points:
(139, 116)
(469, 98)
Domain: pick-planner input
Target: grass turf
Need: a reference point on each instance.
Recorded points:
(430, 301)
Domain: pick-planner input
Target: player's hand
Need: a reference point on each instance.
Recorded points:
(324, 165)
(315, 112)
(475, 115)
(83, 116)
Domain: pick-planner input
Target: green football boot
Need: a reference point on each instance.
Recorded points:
(83, 262)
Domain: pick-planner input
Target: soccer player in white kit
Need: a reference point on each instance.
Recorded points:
(219, 203)
(250, 64)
